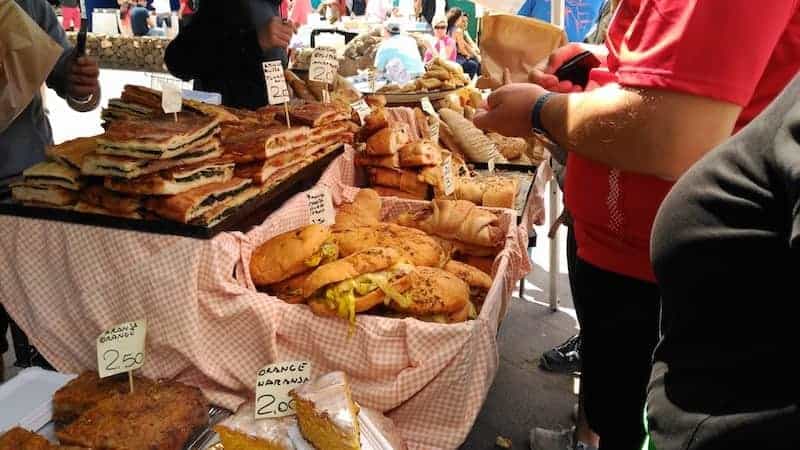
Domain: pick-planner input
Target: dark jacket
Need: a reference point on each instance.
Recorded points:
(219, 50)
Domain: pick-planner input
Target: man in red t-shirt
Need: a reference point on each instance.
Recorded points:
(679, 77)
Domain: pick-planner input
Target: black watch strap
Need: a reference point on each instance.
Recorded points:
(536, 114)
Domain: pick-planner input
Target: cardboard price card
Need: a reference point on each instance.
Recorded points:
(433, 126)
(362, 109)
(427, 106)
(447, 175)
(320, 207)
(324, 65)
(277, 90)
(121, 349)
(273, 384)
(171, 97)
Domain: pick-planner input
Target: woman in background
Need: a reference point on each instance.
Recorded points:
(468, 54)
(444, 46)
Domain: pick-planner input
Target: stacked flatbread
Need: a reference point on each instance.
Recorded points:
(270, 151)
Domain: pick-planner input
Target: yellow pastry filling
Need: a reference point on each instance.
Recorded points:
(328, 252)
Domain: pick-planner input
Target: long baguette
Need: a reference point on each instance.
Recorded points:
(475, 145)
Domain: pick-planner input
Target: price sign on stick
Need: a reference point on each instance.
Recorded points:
(362, 109)
(433, 126)
(324, 65)
(427, 106)
(320, 207)
(121, 349)
(277, 91)
(447, 175)
(171, 98)
(273, 384)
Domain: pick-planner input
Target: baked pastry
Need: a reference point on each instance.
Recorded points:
(386, 141)
(71, 153)
(242, 432)
(50, 173)
(111, 201)
(490, 191)
(43, 195)
(404, 180)
(221, 210)
(83, 393)
(456, 220)
(255, 142)
(19, 438)
(415, 246)
(157, 137)
(432, 292)
(327, 414)
(193, 204)
(478, 281)
(175, 180)
(88, 208)
(292, 253)
(299, 86)
(392, 192)
(509, 147)
(420, 154)
(482, 263)
(314, 114)
(128, 167)
(387, 161)
(356, 283)
(364, 210)
(290, 290)
(162, 416)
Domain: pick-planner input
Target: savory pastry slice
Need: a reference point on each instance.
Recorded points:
(127, 167)
(387, 161)
(482, 263)
(88, 208)
(50, 173)
(175, 180)
(190, 205)
(19, 438)
(72, 153)
(99, 200)
(314, 114)
(356, 283)
(291, 290)
(159, 137)
(119, 109)
(364, 210)
(478, 281)
(432, 295)
(242, 431)
(87, 390)
(327, 414)
(420, 154)
(456, 220)
(387, 141)
(162, 416)
(222, 210)
(324, 132)
(415, 246)
(292, 253)
(404, 180)
(261, 171)
(392, 192)
(43, 195)
(255, 143)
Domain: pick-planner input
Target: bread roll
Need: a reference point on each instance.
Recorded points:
(397, 178)
(364, 210)
(458, 220)
(420, 154)
(386, 141)
(288, 254)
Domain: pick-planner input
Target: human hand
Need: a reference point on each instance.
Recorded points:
(82, 78)
(509, 110)
(277, 33)
(544, 75)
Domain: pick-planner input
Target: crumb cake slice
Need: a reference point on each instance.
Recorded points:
(86, 391)
(326, 413)
(242, 432)
(21, 439)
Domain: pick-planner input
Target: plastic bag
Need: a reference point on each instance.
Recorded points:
(27, 56)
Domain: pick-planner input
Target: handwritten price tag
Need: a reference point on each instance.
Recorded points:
(433, 126)
(427, 106)
(324, 65)
(362, 109)
(273, 385)
(320, 207)
(171, 98)
(121, 348)
(277, 91)
(447, 175)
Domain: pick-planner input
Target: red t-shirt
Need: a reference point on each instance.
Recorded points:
(738, 51)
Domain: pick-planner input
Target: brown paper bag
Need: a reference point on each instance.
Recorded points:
(27, 55)
(517, 43)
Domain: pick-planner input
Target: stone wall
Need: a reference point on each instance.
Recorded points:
(145, 54)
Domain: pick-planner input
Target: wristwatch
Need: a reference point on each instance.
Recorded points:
(536, 115)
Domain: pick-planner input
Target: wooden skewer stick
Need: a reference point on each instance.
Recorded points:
(130, 380)
(286, 110)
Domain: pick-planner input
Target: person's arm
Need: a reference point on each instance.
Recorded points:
(461, 45)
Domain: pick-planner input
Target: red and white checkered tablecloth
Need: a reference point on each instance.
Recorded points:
(64, 283)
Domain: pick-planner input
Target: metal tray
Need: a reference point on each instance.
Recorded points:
(250, 214)
(526, 178)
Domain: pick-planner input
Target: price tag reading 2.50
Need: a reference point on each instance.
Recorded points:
(273, 385)
(121, 349)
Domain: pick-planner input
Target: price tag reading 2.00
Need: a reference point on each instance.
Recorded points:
(277, 91)
(121, 349)
(324, 65)
(273, 385)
